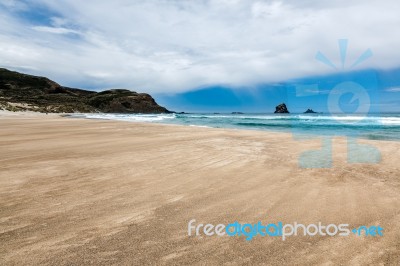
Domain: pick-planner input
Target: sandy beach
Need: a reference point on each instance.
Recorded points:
(79, 192)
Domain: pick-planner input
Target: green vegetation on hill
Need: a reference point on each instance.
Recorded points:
(21, 92)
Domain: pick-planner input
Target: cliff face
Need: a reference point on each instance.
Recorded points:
(21, 92)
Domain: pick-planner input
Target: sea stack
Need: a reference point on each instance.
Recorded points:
(281, 109)
(310, 111)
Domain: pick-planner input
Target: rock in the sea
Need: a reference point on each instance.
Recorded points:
(281, 109)
(310, 111)
(21, 92)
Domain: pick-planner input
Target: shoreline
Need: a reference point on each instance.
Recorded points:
(112, 192)
(298, 134)
(316, 137)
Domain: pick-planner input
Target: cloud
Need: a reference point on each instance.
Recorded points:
(395, 89)
(56, 30)
(171, 46)
(14, 5)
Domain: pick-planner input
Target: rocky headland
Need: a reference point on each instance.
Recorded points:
(22, 92)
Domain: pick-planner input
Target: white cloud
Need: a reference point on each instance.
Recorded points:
(56, 30)
(14, 4)
(170, 45)
(395, 89)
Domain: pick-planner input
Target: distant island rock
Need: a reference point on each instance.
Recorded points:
(237, 113)
(281, 109)
(310, 111)
(22, 92)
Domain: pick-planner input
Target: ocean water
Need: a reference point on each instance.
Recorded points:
(372, 126)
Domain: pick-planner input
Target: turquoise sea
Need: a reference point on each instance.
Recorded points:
(371, 126)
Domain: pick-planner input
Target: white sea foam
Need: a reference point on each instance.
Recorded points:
(132, 117)
(315, 119)
(390, 120)
(199, 126)
(373, 120)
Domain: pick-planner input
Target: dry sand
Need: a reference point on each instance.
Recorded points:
(76, 191)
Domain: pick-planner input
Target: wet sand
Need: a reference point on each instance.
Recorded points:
(79, 192)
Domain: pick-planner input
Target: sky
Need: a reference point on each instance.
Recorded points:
(209, 55)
